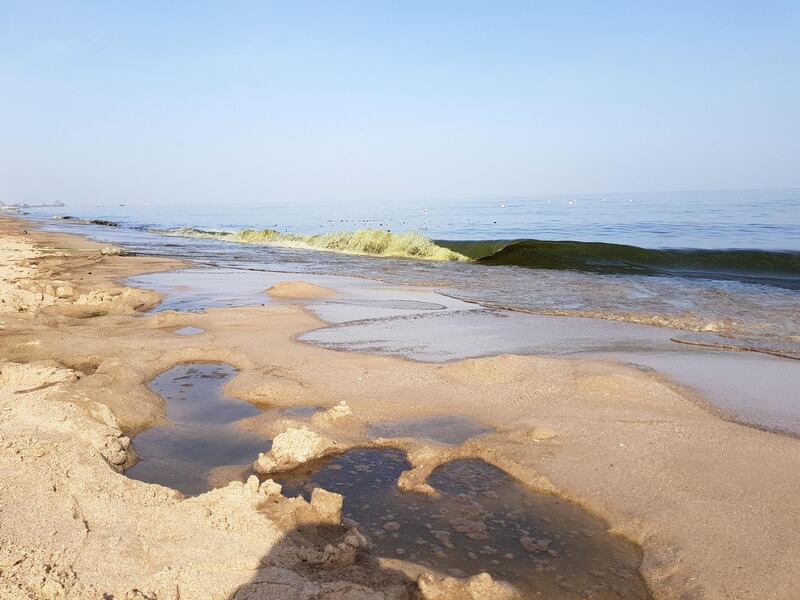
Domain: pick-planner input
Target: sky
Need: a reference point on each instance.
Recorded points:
(187, 102)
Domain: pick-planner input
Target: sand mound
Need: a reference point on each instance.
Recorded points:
(15, 377)
(489, 370)
(292, 448)
(299, 289)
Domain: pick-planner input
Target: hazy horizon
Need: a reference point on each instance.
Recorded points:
(588, 195)
(371, 102)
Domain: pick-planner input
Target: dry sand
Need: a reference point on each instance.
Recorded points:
(713, 504)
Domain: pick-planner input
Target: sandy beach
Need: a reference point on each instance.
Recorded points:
(711, 506)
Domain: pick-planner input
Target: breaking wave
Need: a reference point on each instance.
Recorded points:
(369, 242)
(769, 267)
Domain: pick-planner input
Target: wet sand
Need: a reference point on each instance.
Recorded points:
(712, 504)
(422, 325)
(747, 387)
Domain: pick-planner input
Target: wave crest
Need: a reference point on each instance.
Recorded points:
(774, 268)
(369, 242)
(781, 269)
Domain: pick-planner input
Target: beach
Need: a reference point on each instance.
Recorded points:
(706, 507)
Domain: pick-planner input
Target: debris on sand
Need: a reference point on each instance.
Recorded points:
(534, 545)
(327, 505)
(477, 587)
(333, 415)
(293, 447)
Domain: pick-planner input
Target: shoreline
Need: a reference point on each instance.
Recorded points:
(625, 446)
(734, 318)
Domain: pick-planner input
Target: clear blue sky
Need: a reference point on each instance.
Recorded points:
(277, 101)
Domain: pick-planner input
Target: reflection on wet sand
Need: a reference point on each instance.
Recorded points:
(749, 387)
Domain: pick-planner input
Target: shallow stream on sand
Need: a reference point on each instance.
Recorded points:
(482, 520)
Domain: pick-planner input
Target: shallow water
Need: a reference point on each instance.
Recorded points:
(481, 521)
(444, 430)
(304, 412)
(189, 331)
(202, 288)
(197, 290)
(199, 434)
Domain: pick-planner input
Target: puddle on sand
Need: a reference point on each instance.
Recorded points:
(300, 413)
(482, 521)
(201, 288)
(199, 434)
(188, 331)
(444, 430)
(198, 289)
(305, 412)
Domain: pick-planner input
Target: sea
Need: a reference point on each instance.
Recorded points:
(724, 264)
